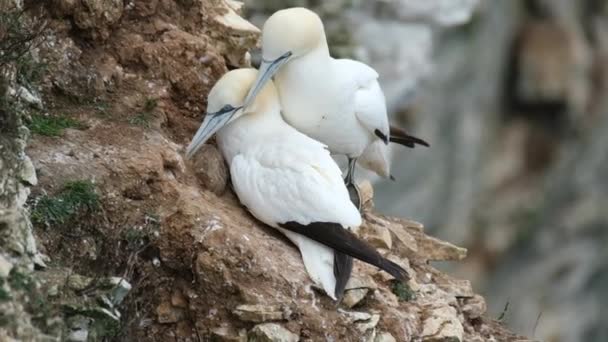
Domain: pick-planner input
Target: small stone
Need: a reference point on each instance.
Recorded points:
(40, 260)
(228, 334)
(356, 290)
(271, 332)
(210, 169)
(53, 291)
(78, 336)
(28, 172)
(79, 328)
(456, 287)
(366, 191)
(355, 316)
(260, 313)
(354, 297)
(442, 324)
(232, 20)
(78, 283)
(178, 300)
(369, 324)
(377, 236)
(384, 337)
(5, 267)
(120, 287)
(474, 307)
(434, 249)
(168, 314)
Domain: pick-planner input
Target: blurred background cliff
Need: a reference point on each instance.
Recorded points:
(513, 102)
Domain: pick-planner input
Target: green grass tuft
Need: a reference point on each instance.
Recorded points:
(75, 197)
(144, 117)
(20, 281)
(403, 291)
(4, 295)
(52, 126)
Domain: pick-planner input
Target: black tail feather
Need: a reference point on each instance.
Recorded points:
(343, 267)
(401, 137)
(343, 241)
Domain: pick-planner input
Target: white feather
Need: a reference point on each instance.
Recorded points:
(281, 175)
(338, 102)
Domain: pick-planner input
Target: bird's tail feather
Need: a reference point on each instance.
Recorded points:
(335, 236)
(401, 137)
(343, 267)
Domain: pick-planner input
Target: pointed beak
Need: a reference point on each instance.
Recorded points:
(213, 122)
(266, 71)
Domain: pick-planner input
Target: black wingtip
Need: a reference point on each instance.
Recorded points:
(400, 136)
(391, 177)
(382, 136)
(419, 141)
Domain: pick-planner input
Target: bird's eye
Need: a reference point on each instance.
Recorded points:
(226, 108)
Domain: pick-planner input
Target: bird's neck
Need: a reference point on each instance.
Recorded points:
(313, 64)
(249, 130)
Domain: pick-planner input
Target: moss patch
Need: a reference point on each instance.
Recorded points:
(403, 291)
(75, 197)
(52, 126)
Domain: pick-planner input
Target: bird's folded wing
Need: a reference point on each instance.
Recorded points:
(369, 101)
(292, 181)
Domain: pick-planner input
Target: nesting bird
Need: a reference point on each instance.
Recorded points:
(338, 102)
(287, 180)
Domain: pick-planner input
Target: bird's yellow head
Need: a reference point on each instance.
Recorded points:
(287, 34)
(296, 30)
(225, 104)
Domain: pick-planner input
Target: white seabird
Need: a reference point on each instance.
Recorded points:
(338, 102)
(287, 180)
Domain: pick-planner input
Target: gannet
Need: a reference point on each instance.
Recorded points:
(287, 180)
(338, 102)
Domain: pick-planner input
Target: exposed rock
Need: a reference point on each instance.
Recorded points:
(356, 290)
(354, 296)
(94, 16)
(438, 250)
(78, 282)
(474, 307)
(384, 337)
(5, 267)
(167, 313)
(261, 313)
(442, 324)
(271, 332)
(211, 170)
(370, 324)
(228, 334)
(378, 236)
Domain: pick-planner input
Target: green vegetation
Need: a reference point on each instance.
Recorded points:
(17, 40)
(30, 71)
(52, 126)
(4, 295)
(403, 291)
(139, 237)
(75, 198)
(146, 115)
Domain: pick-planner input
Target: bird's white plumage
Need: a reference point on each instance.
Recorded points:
(282, 175)
(376, 157)
(336, 101)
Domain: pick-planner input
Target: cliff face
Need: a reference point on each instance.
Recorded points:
(136, 244)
